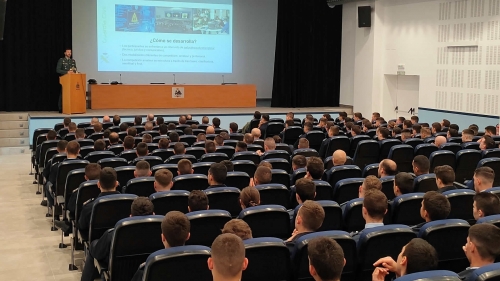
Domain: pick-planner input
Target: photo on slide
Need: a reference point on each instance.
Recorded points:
(131, 18)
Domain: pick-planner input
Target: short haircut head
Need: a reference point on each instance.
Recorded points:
(233, 126)
(210, 146)
(142, 168)
(415, 118)
(384, 132)
(113, 137)
(305, 189)
(420, 256)
(142, 149)
(309, 126)
(241, 146)
(163, 177)
(238, 227)
(99, 145)
(436, 126)
(131, 131)
(163, 143)
(488, 142)
(437, 205)
(372, 183)
(486, 174)
(485, 237)
(389, 167)
(453, 132)
(107, 178)
(270, 143)
(327, 257)
(300, 161)
(66, 121)
(488, 203)
(179, 148)
(490, 129)
(250, 196)
(98, 127)
(422, 163)
(116, 120)
(175, 228)
(257, 115)
(218, 172)
(61, 145)
(141, 206)
(228, 255)
(216, 122)
(128, 142)
(417, 128)
(229, 165)
(93, 171)
(72, 126)
(185, 167)
(315, 167)
(248, 138)
(407, 124)
(173, 136)
(147, 138)
(303, 143)
(404, 181)
(445, 173)
(263, 175)
(375, 203)
(73, 147)
(312, 214)
(123, 127)
(197, 201)
(137, 120)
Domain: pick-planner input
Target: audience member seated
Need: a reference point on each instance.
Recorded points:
(326, 259)
(171, 127)
(355, 130)
(216, 122)
(163, 143)
(451, 133)
(173, 136)
(439, 140)
(435, 206)
(405, 134)
(308, 127)
(264, 122)
(80, 133)
(61, 148)
(131, 131)
(421, 165)
(142, 169)
(217, 175)
(184, 167)
(116, 120)
(485, 204)
(387, 167)
(303, 143)
(425, 133)
(262, 175)
(179, 149)
(239, 228)
(373, 211)
(299, 161)
(314, 168)
(99, 145)
(483, 179)
(141, 149)
(369, 183)
(137, 120)
(403, 184)
(163, 130)
(210, 146)
(445, 176)
(309, 218)
(241, 147)
(481, 248)
(407, 125)
(417, 256)
(474, 128)
(467, 135)
(150, 118)
(123, 127)
(66, 122)
(229, 165)
(128, 143)
(105, 133)
(486, 142)
(228, 258)
(163, 179)
(210, 130)
(107, 184)
(205, 120)
(72, 127)
(414, 120)
(256, 133)
(233, 128)
(416, 130)
(99, 249)
(147, 138)
(339, 157)
(148, 126)
(197, 201)
(97, 127)
(174, 233)
(114, 138)
(264, 164)
(445, 123)
(201, 137)
(490, 131)
(249, 197)
(382, 133)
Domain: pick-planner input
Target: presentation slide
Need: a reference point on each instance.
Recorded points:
(165, 36)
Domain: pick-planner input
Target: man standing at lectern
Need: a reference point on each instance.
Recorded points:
(65, 65)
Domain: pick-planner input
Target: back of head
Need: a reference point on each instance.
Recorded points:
(99, 145)
(219, 141)
(486, 174)
(327, 257)
(485, 237)
(229, 165)
(182, 119)
(404, 181)
(66, 121)
(446, 174)
(238, 227)
(228, 256)
(148, 126)
(265, 117)
(467, 134)
(216, 122)
(312, 214)
(436, 205)
(315, 167)
(201, 137)
(138, 120)
(303, 143)
(248, 138)
(375, 203)
(51, 135)
(205, 120)
(488, 142)
(305, 189)
(163, 129)
(257, 115)
(233, 126)
(107, 179)
(308, 126)
(116, 120)
(171, 126)
(256, 133)
(131, 131)
(163, 143)
(123, 127)
(197, 201)
(142, 149)
(436, 126)
(414, 118)
(474, 128)
(487, 203)
(185, 167)
(179, 148)
(98, 127)
(339, 157)
(163, 177)
(299, 161)
(417, 128)
(422, 163)
(490, 130)
(389, 166)
(269, 144)
(175, 228)
(372, 183)
(73, 147)
(114, 138)
(128, 142)
(142, 169)
(93, 171)
(452, 132)
(72, 127)
(141, 206)
(420, 256)
(250, 197)
(241, 146)
(61, 145)
(263, 175)
(384, 132)
(218, 172)
(446, 123)
(80, 133)
(210, 146)
(173, 136)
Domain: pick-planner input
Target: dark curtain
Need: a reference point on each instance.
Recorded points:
(36, 34)
(308, 54)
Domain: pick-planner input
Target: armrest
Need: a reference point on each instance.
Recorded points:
(101, 267)
(60, 200)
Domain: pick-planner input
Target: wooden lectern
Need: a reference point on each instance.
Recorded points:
(73, 93)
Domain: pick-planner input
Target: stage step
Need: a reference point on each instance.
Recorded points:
(20, 133)
(14, 134)
(15, 150)
(14, 142)
(13, 125)
(13, 117)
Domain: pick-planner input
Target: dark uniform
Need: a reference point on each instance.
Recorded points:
(99, 249)
(63, 66)
(84, 221)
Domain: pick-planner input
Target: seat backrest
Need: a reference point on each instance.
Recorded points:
(471, 145)
(493, 219)
(324, 190)
(267, 257)
(37, 133)
(455, 140)
(490, 153)
(95, 156)
(352, 215)
(406, 209)
(246, 166)
(300, 258)
(347, 189)
(164, 154)
(466, 163)
(184, 263)
(116, 149)
(274, 194)
(489, 272)
(366, 153)
(246, 155)
(129, 155)
(107, 211)
(433, 275)
(381, 241)
(197, 152)
(276, 154)
(493, 163)
(315, 139)
(385, 147)
(306, 152)
(171, 167)
(402, 154)
(442, 157)
(214, 157)
(274, 128)
(43, 150)
(292, 134)
(73, 180)
(333, 215)
(228, 150)
(206, 226)
(64, 168)
(124, 174)
(461, 201)
(337, 142)
(425, 149)
(112, 162)
(424, 183)
(255, 147)
(267, 221)
(453, 147)
(494, 190)
(85, 142)
(413, 142)
(142, 186)
(237, 179)
(172, 200)
(224, 198)
(152, 160)
(370, 170)
(337, 173)
(190, 182)
(174, 159)
(298, 174)
(202, 168)
(134, 239)
(189, 139)
(447, 237)
(87, 190)
(281, 177)
(279, 163)
(236, 136)
(388, 187)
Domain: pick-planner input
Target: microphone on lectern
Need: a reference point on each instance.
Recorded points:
(174, 80)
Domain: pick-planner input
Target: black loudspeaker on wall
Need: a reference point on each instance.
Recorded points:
(364, 16)
(3, 7)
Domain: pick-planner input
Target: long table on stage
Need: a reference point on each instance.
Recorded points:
(162, 96)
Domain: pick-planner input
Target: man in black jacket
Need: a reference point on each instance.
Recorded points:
(435, 206)
(99, 249)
